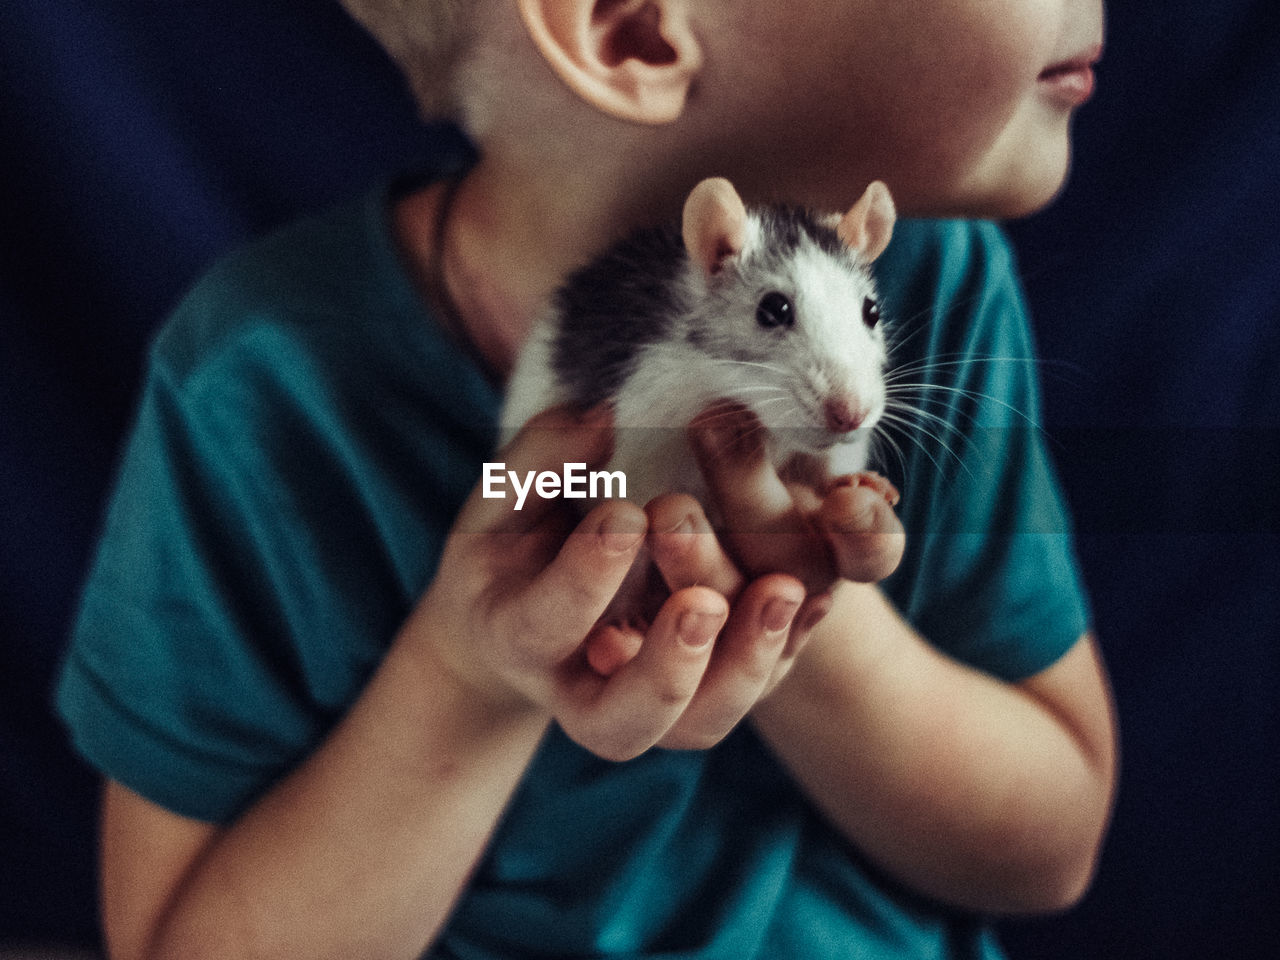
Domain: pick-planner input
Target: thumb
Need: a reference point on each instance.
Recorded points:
(554, 612)
(863, 531)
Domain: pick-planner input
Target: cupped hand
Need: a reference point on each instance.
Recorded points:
(783, 543)
(757, 645)
(517, 593)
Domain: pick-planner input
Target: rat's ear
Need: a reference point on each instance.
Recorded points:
(633, 59)
(715, 224)
(868, 225)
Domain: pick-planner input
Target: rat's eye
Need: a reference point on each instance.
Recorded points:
(775, 310)
(870, 312)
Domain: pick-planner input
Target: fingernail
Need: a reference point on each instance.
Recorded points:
(718, 429)
(820, 607)
(620, 532)
(683, 526)
(777, 614)
(697, 628)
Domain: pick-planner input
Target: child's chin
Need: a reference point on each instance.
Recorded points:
(1027, 204)
(1015, 182)
(1040, 184)
(1023, 196)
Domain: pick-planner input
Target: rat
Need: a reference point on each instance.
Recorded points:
(772, 308)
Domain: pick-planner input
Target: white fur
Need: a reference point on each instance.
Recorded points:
(532, 387)
(839, 353)
(829, 351)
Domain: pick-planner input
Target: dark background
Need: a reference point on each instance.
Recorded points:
(141, 138)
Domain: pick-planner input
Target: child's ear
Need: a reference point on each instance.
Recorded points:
(715, 224)
(633, 59)
(868, 225)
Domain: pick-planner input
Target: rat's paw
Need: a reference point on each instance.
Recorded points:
(871, 479)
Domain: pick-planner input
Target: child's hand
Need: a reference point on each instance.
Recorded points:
(798, 536)
(517, 593)
(815, 528)
(768, 625)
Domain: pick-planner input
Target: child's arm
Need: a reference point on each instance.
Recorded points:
(990, 796)
(363, 849)
(359, 853)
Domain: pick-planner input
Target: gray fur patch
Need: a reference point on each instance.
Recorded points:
(612, 308)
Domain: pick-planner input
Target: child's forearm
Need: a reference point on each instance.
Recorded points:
(363, 850)
(988, 796)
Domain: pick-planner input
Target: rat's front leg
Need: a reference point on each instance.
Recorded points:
(617, 636)
(844, 465)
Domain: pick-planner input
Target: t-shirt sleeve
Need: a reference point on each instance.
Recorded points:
(990, 574)
(231, 611)
(174, 684)
(304, 437)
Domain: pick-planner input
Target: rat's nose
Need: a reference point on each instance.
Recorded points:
(843, 414)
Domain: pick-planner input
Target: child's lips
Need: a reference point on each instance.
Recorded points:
(1071, 82)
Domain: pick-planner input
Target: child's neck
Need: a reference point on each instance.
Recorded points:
(508, 242)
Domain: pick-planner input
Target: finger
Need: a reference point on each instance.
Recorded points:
(746, 662)
(865, 535)
(622, 716)
(547, 443)
(812, 612)
(612, 645)
(686, 550)
(729, 443)
(555, 610)
(765, 529)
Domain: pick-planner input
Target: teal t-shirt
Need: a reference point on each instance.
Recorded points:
(305, 437)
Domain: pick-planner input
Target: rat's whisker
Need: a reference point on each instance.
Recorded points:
(760, 365)
(880, 438)
(920, 414)
(974, 395)
(913, 430)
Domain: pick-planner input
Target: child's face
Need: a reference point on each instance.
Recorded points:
(960, 105)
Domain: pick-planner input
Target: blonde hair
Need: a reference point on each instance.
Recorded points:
(428, 40)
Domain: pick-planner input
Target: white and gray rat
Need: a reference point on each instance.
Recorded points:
(773, 308)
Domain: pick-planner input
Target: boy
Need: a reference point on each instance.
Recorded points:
(342, 705)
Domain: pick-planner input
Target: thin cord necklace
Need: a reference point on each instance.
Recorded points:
(442, 298)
